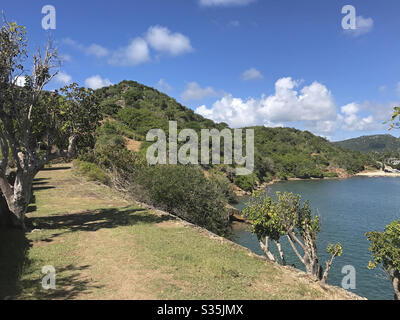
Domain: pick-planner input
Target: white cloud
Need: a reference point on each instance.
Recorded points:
(363, 26)
(65, 57)
(312, 103)
(163, 85)
(96, 82)
(193, 91)
(20, 81)
(157, 37)
(251, 74)
(97, 50)
(63, 78)
(135, 53)
(350, 109)
(309, 107)
(162, 39)
(91, 50)
(225, 3)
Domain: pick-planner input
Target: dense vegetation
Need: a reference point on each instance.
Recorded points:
(377, 143)
(279, 152)
(198, 194)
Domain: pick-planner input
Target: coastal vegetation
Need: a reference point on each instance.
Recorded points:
(104, 131)
(286, 216)
(385, 249)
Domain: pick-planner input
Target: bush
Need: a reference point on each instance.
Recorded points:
(186, 192)
(330, 174)
(92, 171)
(246, 183)
(225, 187)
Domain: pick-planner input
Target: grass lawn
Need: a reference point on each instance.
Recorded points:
(103, 247)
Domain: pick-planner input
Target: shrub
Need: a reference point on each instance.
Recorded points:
(186, 192)
(92, 171)
(246, 183)
(330, 174)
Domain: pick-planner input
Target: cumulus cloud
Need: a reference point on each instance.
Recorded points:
(63, 78)
(224, 3)
(163, 85)
(363, 26)
(159, 38)
(311, 103)
(91, 50)
(65, 57)
(193, 91)
(20, 81)
(162, 39)
(97, 50)
(96, 82)
(352, 121)
(135, 53)
(312, 107)
(251, 74)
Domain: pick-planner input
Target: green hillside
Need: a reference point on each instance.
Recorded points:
(280, 152)
(377, 143)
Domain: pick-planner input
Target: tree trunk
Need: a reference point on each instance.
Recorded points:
(281, 255)
(17, 197)
(265, 248)
(396, 286)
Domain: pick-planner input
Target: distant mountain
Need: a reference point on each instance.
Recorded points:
(377, 143)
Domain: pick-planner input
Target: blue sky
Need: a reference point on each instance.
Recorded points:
(244, 62)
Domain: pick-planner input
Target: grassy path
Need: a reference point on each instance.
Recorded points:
(102, 247)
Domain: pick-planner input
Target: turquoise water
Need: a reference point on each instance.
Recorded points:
(348, 209)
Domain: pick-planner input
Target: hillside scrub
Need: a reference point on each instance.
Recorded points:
(280, 153)
(182, 190)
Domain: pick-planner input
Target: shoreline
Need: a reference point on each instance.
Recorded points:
(377, 173)
(371, 174)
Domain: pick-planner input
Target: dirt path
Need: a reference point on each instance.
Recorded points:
(103, 247)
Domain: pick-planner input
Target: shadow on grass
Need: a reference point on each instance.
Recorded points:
(14, 248)
(55, 168)
(91, 221)
(13, 257)
(40, 184)
(69, 284)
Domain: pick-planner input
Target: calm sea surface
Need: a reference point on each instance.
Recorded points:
(348, 209)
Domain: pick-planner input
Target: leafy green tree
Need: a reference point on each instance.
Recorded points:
(35, 126)
(266, 223)
(394, 121)
(385, 248)
(286, 216)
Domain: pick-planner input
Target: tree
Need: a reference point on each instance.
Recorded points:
(35, 126)
(286, 216)
(265, 223)
(385, 248)
(394, 120)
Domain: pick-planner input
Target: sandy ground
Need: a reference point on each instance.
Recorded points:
(378, 173)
